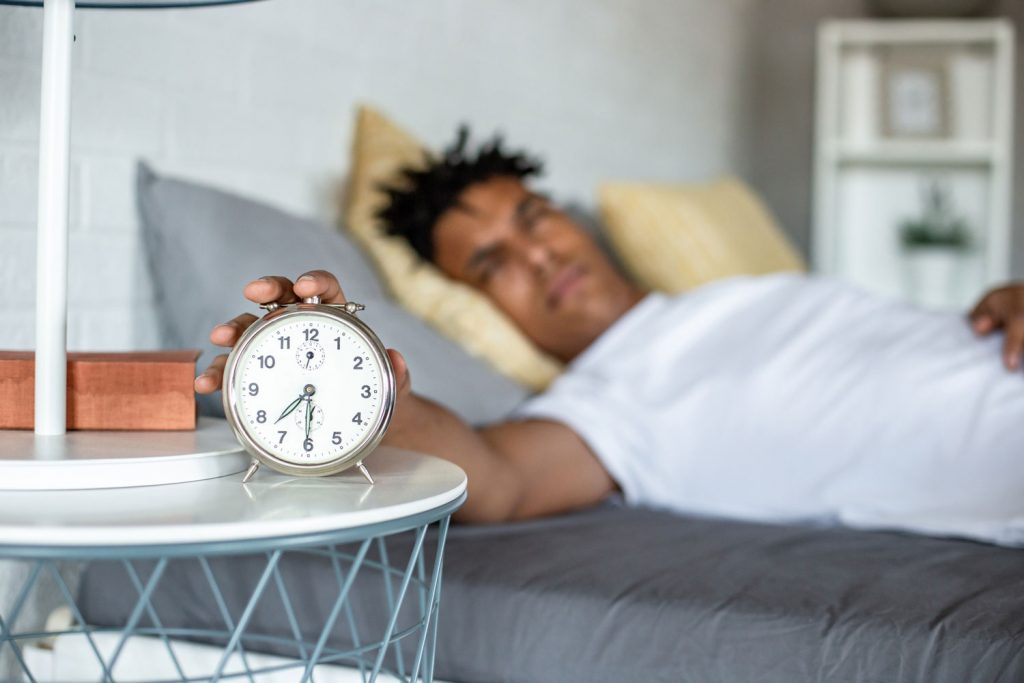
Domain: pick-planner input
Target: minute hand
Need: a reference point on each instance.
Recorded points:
(290, 409)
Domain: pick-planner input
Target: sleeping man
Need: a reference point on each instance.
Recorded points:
(777, 398)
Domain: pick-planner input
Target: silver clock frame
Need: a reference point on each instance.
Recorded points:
(344, 313)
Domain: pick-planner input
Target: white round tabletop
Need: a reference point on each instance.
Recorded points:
(111, 459)
(222, 510)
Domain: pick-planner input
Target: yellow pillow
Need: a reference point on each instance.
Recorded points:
(456, 310)
(675, 237)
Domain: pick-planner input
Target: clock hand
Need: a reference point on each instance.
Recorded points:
(290, 409)
(307, 392)
(309, 415)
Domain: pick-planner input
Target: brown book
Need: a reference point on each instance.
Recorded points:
(137, 390)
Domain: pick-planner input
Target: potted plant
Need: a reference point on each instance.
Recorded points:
(934, 245)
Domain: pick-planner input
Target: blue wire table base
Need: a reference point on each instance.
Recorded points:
(407, 587)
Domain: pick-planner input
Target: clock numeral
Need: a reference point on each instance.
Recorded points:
(336, 438)
(261, 416)
(254, 388)
(266, 361)
(312, 334)
(337, 342)
(307, 445)
(286, 342)
(283, 434)
(358, 418)
(365, 393)
(357, 363)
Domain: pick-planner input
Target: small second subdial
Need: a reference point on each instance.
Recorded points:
(316, 419)
(310, 355)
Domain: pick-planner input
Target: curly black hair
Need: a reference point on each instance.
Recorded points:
(422, 194)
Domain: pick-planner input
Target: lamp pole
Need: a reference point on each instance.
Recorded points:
(49, 459)
(52, 231)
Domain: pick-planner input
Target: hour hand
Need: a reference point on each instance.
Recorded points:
(290, 409)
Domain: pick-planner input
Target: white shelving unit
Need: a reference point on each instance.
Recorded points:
(869, 179)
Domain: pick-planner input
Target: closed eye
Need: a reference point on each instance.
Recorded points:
(490, 267)
(484, 262)
(533, 218)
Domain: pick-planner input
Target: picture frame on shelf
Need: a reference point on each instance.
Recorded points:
(915, 94)
(873, 151)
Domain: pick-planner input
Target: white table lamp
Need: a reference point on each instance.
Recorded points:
(51, 444)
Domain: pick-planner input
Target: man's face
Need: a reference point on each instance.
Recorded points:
(536, 264)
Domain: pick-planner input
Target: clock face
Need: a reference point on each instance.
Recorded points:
(309, 389)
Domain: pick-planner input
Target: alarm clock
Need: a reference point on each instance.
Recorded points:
(309, 389)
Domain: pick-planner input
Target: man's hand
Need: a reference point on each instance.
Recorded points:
(1003, 308)
(275, 288)
(515, 470)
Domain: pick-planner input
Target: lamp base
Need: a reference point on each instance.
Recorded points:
(95, 460)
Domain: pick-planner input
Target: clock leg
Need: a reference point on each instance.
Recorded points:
(366, 473)
(251, 471)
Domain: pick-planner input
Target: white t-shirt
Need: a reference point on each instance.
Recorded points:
(788, 397)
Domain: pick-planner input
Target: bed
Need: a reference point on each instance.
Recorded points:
(608, 594)
(618, 594)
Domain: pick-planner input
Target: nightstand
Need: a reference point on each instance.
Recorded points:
(275, 517)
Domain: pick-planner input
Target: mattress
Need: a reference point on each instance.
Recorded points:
(620, 594)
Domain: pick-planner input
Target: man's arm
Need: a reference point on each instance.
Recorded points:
(1003, 308)
(516, 470)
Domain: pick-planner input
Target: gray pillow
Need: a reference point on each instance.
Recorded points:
(203, 245)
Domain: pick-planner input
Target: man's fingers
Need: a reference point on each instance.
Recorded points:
(982, 316)
(1013, 345)
(271, 288)
(322, 284)
(226, 334)
(283, 291)
(210, 379)
(403, 381)
(983, 324)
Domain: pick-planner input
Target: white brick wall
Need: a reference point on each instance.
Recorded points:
(259, 98)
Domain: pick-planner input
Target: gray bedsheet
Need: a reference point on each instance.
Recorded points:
(616, 594)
